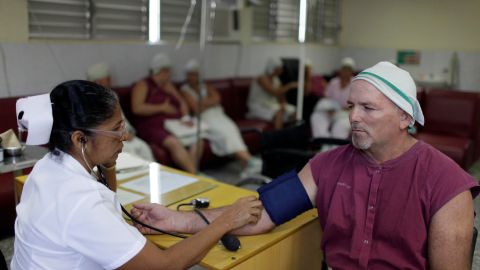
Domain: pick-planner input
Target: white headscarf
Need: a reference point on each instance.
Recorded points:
(348, 62)
(397, 85)
(192, 66)
(159, 61)
(98, 71)
(272, 64)
(308, 62)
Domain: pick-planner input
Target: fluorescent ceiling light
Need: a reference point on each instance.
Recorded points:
(154, 21)
(302, 21)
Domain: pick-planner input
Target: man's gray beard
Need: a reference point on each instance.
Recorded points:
(362, 146)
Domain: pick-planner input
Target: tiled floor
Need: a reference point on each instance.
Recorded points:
(6, 245)
(229, 173)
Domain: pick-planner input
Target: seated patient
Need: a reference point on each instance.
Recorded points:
(385, 201)
(223, 133)
(155, 100)
(100, 74)
(67, 217)
(330, 116)
(266, 99)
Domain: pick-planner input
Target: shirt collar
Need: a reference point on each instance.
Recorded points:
(71, 163)
(410, 153)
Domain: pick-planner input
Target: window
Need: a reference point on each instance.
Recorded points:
(261, 21)
(120, 19)
(286, 19)
(313, 21)
(172, 17)
(59, 19)
(88, 19)
(328, 21)
(278, 20)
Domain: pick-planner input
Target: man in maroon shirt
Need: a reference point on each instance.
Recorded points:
(387, 201)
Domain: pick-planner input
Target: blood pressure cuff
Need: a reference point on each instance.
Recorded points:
(285, 198)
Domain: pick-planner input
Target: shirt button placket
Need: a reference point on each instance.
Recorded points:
(370, 218)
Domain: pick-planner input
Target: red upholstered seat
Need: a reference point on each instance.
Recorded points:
(7, 198)
(237, 107)
(457, 148)
(451, 123)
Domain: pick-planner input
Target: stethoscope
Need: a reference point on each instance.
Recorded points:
(229, 241)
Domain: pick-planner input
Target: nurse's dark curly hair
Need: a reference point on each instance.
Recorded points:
(78, 105)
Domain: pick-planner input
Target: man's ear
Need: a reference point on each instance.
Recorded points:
(405, 120)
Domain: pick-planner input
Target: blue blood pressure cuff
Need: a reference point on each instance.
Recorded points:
(285, 198)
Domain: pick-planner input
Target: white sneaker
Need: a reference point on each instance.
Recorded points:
(254, 167)
(256, 161)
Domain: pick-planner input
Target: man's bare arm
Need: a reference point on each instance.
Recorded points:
(190, 222)
(196, 224)
(450, 234)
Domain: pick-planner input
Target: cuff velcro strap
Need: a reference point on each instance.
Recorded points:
(285, 198)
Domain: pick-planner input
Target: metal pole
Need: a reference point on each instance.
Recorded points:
(301, 82)
(202, 43)
(302, 27)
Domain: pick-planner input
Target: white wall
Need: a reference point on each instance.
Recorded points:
(33, 68)
(411, 24)
(373, 30)
(13, 20)
(433, 64)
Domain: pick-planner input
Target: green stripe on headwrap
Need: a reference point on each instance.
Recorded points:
(389, 84)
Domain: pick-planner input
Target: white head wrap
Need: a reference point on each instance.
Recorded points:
(272, 64)
(159, 61)
(348, 62)
(34, 114)
(397, 85)
(98, 71)
(192, 66)
(308, 62)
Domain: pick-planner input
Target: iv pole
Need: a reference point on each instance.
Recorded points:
(302, 19)
(202, 42)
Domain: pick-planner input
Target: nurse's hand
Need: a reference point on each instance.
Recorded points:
(246, 210)
(158, 216)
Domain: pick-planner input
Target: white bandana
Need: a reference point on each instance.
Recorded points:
(159, 62)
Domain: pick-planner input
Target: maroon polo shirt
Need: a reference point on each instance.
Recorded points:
(377, 216)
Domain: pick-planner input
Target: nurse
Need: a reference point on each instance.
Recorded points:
(68, 218)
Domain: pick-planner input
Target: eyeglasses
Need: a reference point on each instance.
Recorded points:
(120, 134)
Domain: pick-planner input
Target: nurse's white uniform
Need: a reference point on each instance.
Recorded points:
(68, 220)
